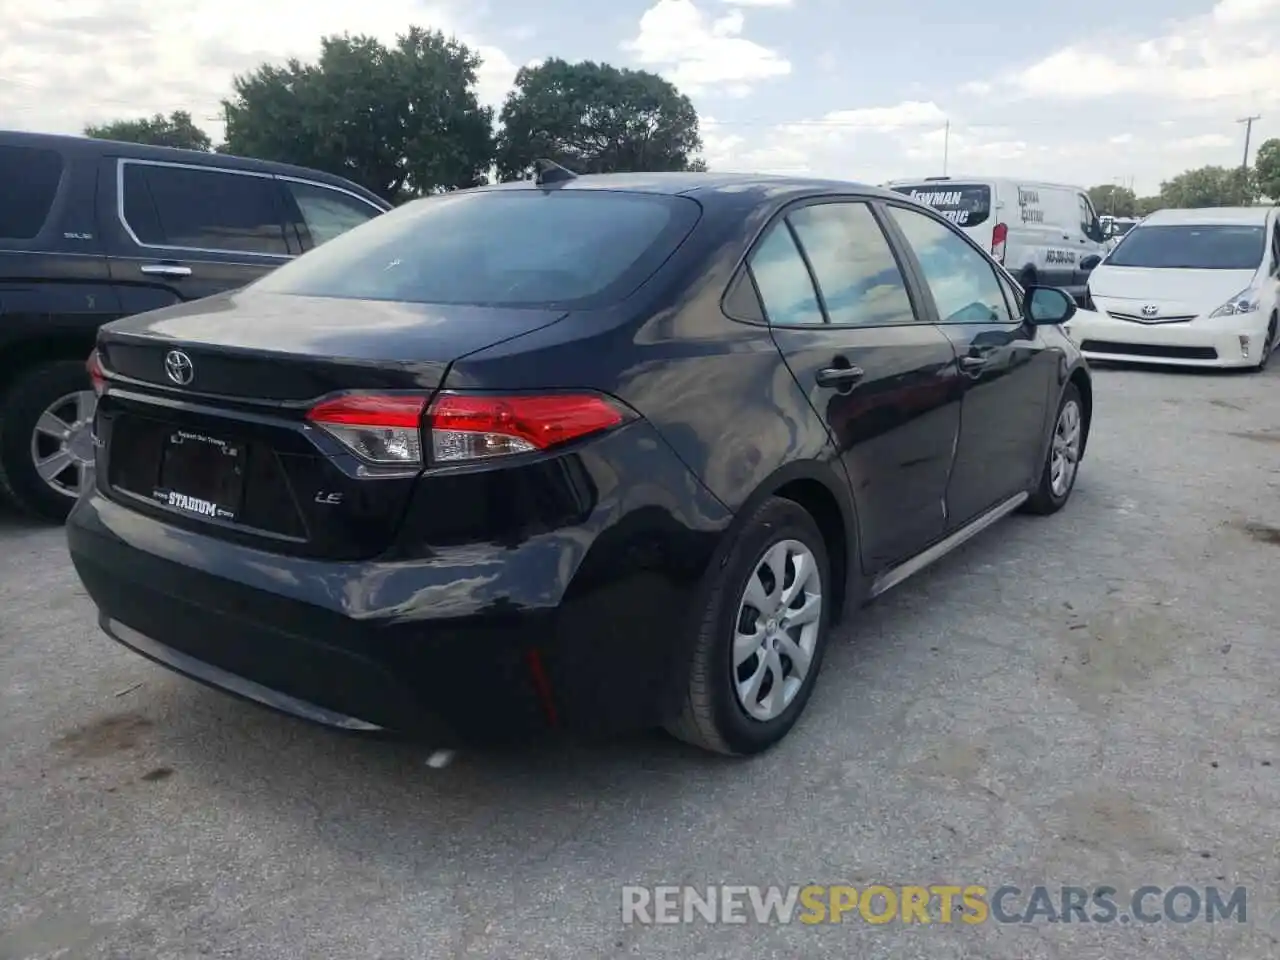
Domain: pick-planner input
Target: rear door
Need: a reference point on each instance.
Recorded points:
(318, 212)
(841, 313)
(1007, 368)
(183, 231)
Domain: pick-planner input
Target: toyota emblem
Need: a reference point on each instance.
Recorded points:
(179, 367)
(1150, 310)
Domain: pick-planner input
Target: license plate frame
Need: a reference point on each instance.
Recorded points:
(201, 475)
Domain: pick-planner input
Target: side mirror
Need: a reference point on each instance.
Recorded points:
(1048, 306)
(1089, 262)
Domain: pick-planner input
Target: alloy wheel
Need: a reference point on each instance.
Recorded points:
(776, 631)
(1065, 455)
(62, 443)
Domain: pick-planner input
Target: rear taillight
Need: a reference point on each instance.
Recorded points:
(998, 237)
(97, 376)
(380, 428)
(467, 427)
(388, 429)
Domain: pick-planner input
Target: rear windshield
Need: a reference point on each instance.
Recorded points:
(1191, 247)
(964, 204)
(497, 248)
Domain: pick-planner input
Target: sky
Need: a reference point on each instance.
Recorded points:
(1084, 92)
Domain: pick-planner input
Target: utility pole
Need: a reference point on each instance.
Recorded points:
(946, 146)
(1244, 164)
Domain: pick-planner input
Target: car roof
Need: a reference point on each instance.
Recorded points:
(706, 186)
(1254, 216)
(68, 144)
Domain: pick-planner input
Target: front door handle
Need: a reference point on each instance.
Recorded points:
(839, 376)
(165, 270)
(973, 363)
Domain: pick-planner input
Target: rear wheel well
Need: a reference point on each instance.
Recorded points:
(1085, 386)
(821, 504)
(20, 357)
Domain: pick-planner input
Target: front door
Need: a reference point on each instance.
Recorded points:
(883, 382)
(183, 232)
(1006, 368)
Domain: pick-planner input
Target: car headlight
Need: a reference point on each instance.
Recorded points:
(1246, 301)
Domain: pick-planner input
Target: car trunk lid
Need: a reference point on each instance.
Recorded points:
(219, 438)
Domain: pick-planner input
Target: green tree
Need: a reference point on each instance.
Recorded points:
(596, 118)
(1115, 200)
(1209, 187)
(175, 130)
(393, 119)
(1266, 167)
(1148, 205)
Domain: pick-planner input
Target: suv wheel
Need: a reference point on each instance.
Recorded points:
(759, 647)
(46, 438)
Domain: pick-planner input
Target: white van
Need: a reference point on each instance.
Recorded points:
(1044, 233)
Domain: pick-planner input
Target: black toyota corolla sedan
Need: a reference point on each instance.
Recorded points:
(577, 453)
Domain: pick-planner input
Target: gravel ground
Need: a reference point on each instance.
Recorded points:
(1084, 699)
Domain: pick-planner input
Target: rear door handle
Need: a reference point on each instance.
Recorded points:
(839, 376)
(165, 270)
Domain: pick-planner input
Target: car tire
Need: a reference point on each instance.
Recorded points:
(50, 386)
(1268, 347)
(1050, 496)
(714, 714)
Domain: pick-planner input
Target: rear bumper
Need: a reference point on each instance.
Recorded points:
(580, 630)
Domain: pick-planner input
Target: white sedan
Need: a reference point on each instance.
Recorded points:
(1194, 288)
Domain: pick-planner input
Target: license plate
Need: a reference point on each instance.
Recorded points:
(201, 475)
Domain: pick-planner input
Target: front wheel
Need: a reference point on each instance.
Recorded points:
(1269, 344)
(1062, 463)
(46, 438)
(759, 646)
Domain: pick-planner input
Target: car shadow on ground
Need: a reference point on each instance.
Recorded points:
(13, 520)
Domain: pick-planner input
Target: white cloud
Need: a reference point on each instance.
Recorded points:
(69, 62)
(702, 54)
(1226, 54)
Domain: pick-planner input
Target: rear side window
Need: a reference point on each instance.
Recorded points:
(854, 267)
(964, 204)
(328, 213)
(510, 247)
(195, 209)
(786, 289)
(30, 177)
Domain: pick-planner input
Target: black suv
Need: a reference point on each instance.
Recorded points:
(93, 230)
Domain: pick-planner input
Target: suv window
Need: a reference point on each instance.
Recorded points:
(38, 172)
(197, 209)
(853, 265)
(328, 213)
(961, 278)
(786, 289)
(507, 247)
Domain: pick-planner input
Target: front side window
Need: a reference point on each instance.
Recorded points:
(853, 264)
(328, 213)
(961, 279)
(1199, 246)
(200, 209)
(29, 179)
(786, 289)
(511, 247)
